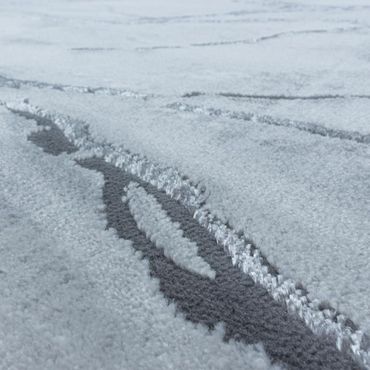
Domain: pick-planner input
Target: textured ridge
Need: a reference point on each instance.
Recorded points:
(248, 258)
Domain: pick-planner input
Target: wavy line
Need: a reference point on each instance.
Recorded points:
(292, 97)
(252, 40)
(159, 47)
(93, 49)
(312, 128)
(191, 17)
(233, 95)
(192, 94)
(17, 84)
(274, 36)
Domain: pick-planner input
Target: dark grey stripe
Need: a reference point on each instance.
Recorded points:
(248, 312)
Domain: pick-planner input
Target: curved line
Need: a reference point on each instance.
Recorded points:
(293, 97)
(312, 128)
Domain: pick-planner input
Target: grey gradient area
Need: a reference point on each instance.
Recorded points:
(246, 310)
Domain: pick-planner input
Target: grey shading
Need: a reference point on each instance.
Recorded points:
(248, 312)
(310, 127)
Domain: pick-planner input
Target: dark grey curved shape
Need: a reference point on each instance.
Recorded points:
(248, 312)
